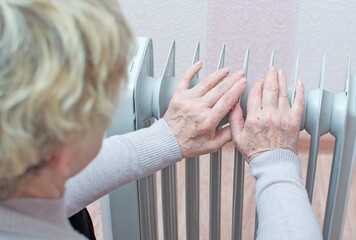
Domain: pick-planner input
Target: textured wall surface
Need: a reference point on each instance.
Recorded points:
(165, 21)
(311, 26)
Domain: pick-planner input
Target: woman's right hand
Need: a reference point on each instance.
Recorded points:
(270, 123)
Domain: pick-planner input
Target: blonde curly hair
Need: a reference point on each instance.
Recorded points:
(61, 63)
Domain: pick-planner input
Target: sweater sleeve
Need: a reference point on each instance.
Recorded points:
(122, 159)
(283, 207)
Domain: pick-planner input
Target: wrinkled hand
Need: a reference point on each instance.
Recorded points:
(194, 114)
(270, 123)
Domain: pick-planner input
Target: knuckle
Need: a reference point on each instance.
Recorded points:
(178, 102)
(283, 93)
(271, 119)
(209, 85)
(283, 122)
(300, 102)
(278, 119)
(209, 123)
(185, 79)
(206, 87)
(223, 88)
(190, 71)
(254, 92)
(229, 101)
(251, 122)
(271, 86)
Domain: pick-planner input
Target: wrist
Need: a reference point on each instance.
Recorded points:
(280, 163)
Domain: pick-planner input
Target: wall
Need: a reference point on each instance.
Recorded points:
(310, 26)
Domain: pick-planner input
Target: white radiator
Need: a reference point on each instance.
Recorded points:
(132, 209)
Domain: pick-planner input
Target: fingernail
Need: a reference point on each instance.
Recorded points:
(300, 83)
(243, 80)
(280, 72)
(272, 68)
(198, 63)
(241, 72)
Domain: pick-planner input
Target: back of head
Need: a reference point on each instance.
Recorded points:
(61, 63)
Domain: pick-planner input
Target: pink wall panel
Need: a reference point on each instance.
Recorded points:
(262, 25)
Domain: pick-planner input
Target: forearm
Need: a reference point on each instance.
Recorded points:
(283, 207)
(122, 159)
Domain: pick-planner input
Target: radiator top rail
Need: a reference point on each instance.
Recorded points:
(323, 109)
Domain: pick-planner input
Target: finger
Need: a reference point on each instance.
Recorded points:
(236, 121)
(298, 106)
(254, 101)
(210, 82)
(211, 97)
(222, 136)
(183, 83)
(270, 89)
(283, 101)
(228, 100)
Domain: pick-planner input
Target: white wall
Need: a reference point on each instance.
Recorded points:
(312, 26)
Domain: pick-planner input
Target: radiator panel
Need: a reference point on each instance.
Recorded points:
(324, 112)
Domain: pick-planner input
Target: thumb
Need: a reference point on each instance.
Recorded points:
(236, 121)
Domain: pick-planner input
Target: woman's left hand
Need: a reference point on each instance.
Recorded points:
(194, 114)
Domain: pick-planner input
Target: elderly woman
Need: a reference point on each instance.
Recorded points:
(61, 64)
